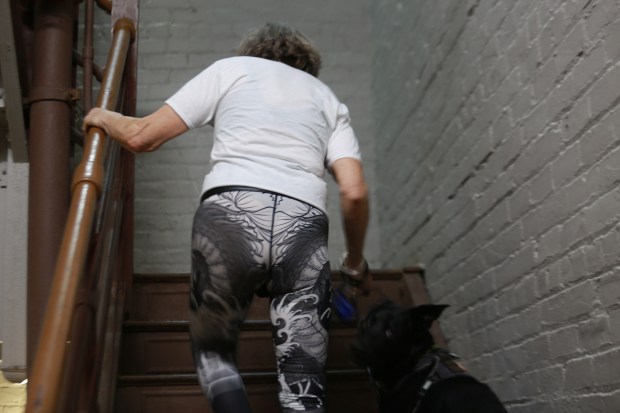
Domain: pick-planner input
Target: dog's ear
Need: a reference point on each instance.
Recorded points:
(426, 314)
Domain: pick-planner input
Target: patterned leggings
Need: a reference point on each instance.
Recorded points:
(244, 241)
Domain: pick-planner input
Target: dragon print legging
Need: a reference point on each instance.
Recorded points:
(252, 241)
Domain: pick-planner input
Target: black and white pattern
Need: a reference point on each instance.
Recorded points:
(244, 241)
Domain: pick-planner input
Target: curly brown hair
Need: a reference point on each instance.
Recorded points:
(280, 42)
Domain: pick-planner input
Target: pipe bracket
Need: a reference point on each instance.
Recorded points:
(47, 93)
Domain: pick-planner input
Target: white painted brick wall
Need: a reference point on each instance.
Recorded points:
(498, 158)
(495, 164)
(178, 39)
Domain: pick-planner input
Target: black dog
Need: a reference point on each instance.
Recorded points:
(409, 373)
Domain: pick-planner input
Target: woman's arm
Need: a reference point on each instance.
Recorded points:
(354, 207)
(138, 134)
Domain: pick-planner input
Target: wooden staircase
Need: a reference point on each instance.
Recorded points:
(156, 372)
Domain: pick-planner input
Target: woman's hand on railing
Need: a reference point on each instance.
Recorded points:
(137, 134)
(123, 129)
(94, 118)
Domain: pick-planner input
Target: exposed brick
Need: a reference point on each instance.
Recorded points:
(603, 212)
(503, 245)
(517, 265)
(578, 267)
(614, 325)
(551, 379)
(609, 245)
(549, 278)
(569, 304)
(579, 374)
(541, 185)
(564, 342)
(565, 167)
(597, 141)
(573, 230)
(612, 48)
(571, 48)
(609, 289)
(599, 16)
(550, 244)
(603, 94)
(587, 403)
(593, 333)
(536, 350)
(576, 118)
(553, 211)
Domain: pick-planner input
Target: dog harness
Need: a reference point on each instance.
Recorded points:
(443, 365)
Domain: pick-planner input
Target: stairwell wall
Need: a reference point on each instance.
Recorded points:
(498, 158)
(178, 39)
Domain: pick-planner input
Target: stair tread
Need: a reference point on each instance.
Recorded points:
(249, 376)
(157, 373)
(378, 274)
(131, 326)
(346, 391)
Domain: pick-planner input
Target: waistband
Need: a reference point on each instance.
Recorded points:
(231, 188)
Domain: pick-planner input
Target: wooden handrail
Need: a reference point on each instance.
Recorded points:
(47, 369)
(105, 5)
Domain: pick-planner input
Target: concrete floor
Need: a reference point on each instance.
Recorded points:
(12, 396)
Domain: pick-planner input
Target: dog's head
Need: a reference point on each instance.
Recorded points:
(389, 337)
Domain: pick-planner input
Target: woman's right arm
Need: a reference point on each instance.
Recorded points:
(138, 134)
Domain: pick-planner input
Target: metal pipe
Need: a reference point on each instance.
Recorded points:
(86, 187)
(49, 153)
(96, 69)
(88, 54)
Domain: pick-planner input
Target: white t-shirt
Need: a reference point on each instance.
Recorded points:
(275, 127)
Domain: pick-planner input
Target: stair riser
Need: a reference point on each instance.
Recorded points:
(157, 373)
(351, 396)
(169, 352)
(152, 301)
(170, 301)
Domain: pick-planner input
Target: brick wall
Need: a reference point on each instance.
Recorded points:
(180, 38)
(498, 167)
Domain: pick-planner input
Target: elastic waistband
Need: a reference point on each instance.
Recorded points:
(230, 188)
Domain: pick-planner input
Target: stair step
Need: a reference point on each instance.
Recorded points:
(157, 373)
(252, 377)
(131, 326)
(164, 297)
(347, 390)
(164, 347)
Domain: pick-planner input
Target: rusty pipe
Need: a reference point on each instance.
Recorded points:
(86, 186)
(88, 54)
(97, 71)
(50, 116)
